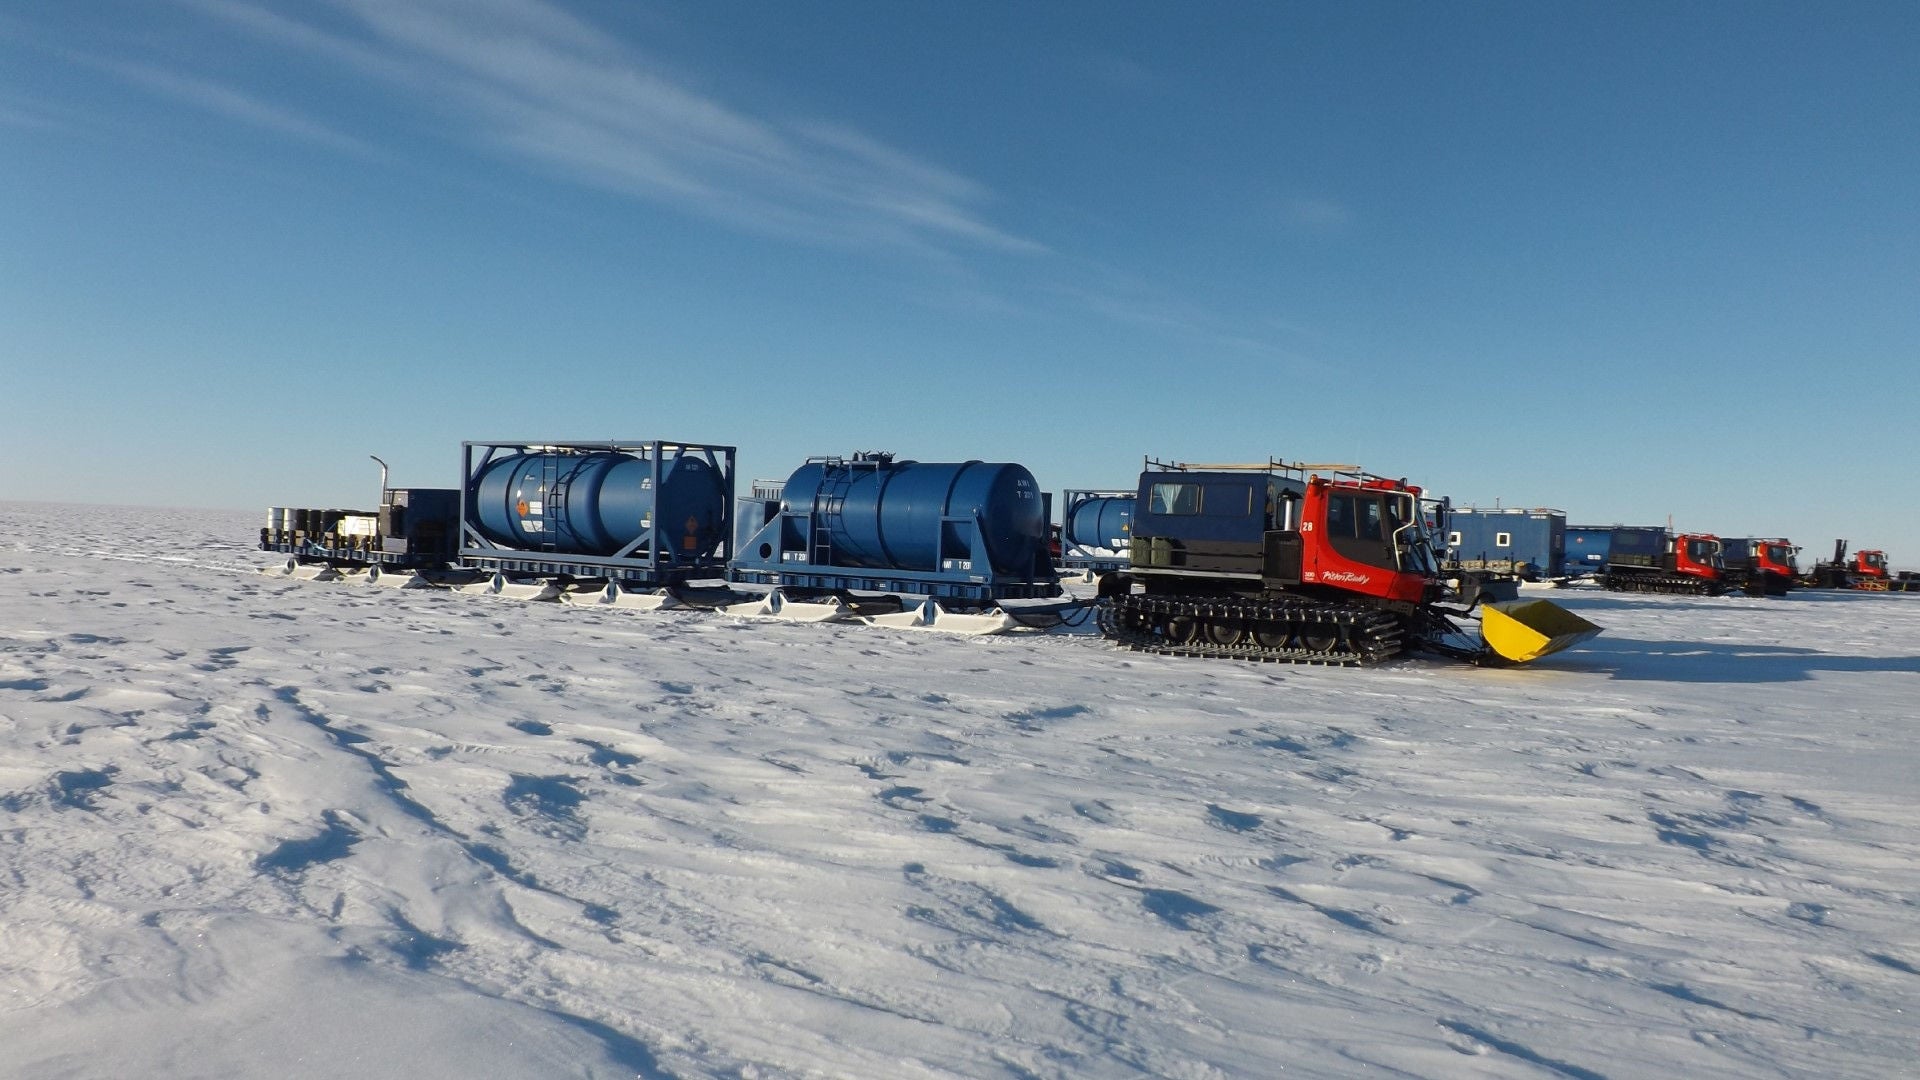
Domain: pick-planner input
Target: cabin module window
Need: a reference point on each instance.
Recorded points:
(1502, 539)
(1453, 539)
(1174, 499)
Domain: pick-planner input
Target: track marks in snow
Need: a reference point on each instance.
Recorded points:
(696, 835)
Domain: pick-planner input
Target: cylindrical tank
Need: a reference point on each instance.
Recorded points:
(1100, 522)
(597, 503)
(888, 515)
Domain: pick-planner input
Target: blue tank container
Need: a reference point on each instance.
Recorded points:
(901, 515)
(600, 503)
(1100, 522)
(972, 530)
(1587, 548)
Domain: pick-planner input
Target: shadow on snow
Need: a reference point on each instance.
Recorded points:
(1711, 662)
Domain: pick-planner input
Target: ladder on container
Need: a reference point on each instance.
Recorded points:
(553, 500)
(826, 506)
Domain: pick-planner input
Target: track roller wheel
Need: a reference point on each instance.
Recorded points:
(1321, 639)
(1224, 632)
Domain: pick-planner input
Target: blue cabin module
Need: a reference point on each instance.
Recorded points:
(1215, 520)
(1640, 547)
(1096, 529)
(1587, 549)
(1521, 545)
(419, 527)
(961, 531)
(642, 513)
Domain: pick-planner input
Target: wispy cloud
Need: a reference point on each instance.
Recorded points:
(234, 104)
(529, 81)
(1117, 297)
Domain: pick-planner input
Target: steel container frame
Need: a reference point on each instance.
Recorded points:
(649, 560)
(1077, 552)
(808, 542)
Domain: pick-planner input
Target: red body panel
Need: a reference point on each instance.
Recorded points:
(1763, 552)
(1321, 565)
(1871, 564)
(1685, 563)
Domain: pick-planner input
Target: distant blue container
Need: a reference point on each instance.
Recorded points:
(1100, 522)
(1587, 548)
(600, 503)
(880, 514)
(1509, 542)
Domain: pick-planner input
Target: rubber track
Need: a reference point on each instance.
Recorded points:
(1364, 635)
(1671, 584)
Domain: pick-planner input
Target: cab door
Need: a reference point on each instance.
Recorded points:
(1360, 528)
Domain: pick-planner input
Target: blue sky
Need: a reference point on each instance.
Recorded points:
(1637, 261)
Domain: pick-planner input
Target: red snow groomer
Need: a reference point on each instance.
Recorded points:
(1760, 566)
(1276, 561)
(1866, 571)
(1650, 560)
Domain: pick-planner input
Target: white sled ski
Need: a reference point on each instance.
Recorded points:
(931, 616)
(775, 605)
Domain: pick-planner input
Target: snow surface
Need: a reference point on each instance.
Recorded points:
(254, 827)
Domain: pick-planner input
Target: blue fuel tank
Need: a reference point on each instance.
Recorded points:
(1100, 522)
(1587, 548)
(882, 514)
(600, 503)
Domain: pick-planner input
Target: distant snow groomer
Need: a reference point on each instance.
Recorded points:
(1650, 559)
(1866, 571)
(1274, 561)
(1759, 565)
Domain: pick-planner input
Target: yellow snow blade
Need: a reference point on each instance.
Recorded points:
(1525, 630)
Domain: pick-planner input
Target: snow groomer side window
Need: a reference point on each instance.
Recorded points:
(1175, 498)
(1340, 515)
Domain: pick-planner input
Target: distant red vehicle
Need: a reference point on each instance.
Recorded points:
(1760, 566)
(1649, 560)
(1866, 571)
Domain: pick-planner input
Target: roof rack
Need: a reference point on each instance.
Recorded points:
(1295, 469)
